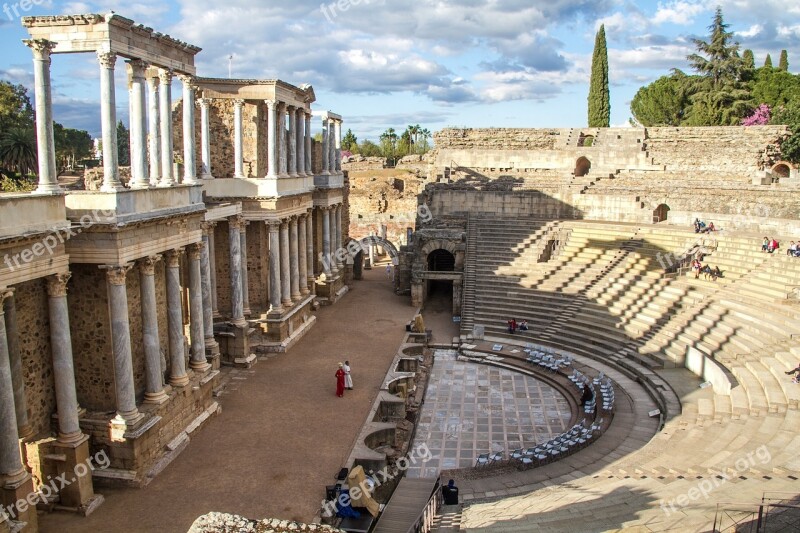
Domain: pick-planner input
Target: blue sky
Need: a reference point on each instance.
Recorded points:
(382, 63)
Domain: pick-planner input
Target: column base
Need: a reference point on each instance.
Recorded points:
(282, 330)
(14, 489)
(78, 465)
(156, 398)
(200, 367)
(112, 187)
(49, 188)
(25, 432)
(179, 381)
(286, 303)
(247, 311)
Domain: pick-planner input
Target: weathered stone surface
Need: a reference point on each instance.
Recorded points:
(229, 523)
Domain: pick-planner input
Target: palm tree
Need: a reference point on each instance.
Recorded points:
(18, 150)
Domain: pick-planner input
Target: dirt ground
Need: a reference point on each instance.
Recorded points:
(282, 434)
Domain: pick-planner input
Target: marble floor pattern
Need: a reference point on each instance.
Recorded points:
(471, 408)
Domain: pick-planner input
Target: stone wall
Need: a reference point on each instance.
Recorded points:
(223, 261)
(498, 138)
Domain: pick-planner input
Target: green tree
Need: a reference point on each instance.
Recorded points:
(768, 61)
(15, 107)
(718, 58)
(350, 142)
(18, 150)
(789, 115)
(123, 145)
(368, 148)
(748, 59)
(71, 146)
(783, 62)
(599, 99)
(775, 87)
(389, 144)
(664, 102)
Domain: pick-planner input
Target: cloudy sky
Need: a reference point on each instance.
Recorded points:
(384, 63)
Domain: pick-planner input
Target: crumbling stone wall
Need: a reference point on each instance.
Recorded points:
(498, 138)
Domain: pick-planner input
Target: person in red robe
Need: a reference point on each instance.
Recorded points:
(340, 381)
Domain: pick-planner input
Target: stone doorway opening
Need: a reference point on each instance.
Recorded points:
(439, 296)
(582, 166)
(780, 170)
(441, 261)
(660, 213)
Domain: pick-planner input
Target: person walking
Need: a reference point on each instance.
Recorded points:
(348, 379)
(340, 381)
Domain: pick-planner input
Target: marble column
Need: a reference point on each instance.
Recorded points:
(198, 361)
(338, 233)
(177, 354)
(272, 140)
(281, 136)
(274, 267)
(325, 149)
(69, 430)
(235, 245)
(333, 240)
(332, 146)
(302, 260)
(291, 143)
(17, 376)
(245, 280)
(301, 141)
(165, 126)
(205, 139)
(154, 130)
(10, 460)
(310, 248)
(154, 387)
(108, 118)
(327, 263)
(189, 155)
(212, 267)
(140, 178)
(337, 125)
(286, 290)
(127, 413)
(211, 345)
(238, 143)
(43, 101)
(309, 170)
(294, 255)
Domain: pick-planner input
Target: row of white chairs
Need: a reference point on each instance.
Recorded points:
(548, 359)
(607, 390)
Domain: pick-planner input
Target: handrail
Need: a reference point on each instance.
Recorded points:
(424, 520)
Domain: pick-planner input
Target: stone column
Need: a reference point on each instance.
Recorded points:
(154, 130)
(211, 345)
(272, 140)
(245, 280)
(10, 462)
(189, 155)
(205, 139)
(198, 361)
(281, 136)
(127, 413)
(331, 146)
(338, 146)
(69, 430)
(140, 178)
(338, 233)
(17, 376)
(302, 259)
(154, 390)
(286, 291)
(294, 256)
(238, 145)
(43, 99)
(291, 143)
(235, 241)
(309, 170)
(333, 240)
(165, 118)
(212, 267)
(108, 117)
(177, 355)
(274, 268)
(301, 141)
(325, 148)
(326, 241)
(310, 248)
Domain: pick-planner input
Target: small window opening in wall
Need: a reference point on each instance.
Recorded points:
(391, 217)
(360, 216)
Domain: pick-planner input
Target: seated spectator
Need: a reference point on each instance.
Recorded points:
(706, 271)
(696, 266)
(792, 249)
(773, 245)
(450, 493)
(716, 273)
(765, 244)
(697, 225)
(587, 395)
(512, 326)
(711, 228)
(523, 326)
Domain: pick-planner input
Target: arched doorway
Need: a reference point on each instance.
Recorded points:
(660, 213)
(585, 140)
(441, 261)
(780, 170)
(582, 166)
(440, 291)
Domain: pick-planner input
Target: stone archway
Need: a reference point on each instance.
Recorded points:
(582, 166)
(441, 261)
(660, 213)
(780, 170)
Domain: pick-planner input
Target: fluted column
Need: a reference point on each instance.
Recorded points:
(198, 361)
(154, 130)
(43, 101)
(211, 345)
(338, 233)
(121, 340)
(291, 143)
(165, 122)
(327, 263)
(154, 386)
(272, 140)
(281, 136)
(10, 461)
(245, 280)
(286, 289)
(302, 261)
(17, 376)
(189, 155)
(205, 139)
(212, 267)
(309, 170)
(140, 178)
(337, 125)
(310, 248)
(177, 354)
(325, 148)
(301, 141)
(238, 143)
(235, 245)
(108, 119)
(331, 146)
(294, 255)
(274, 267)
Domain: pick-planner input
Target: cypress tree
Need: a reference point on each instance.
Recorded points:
(783, 63)
(768, 61)
(599, 98)
(749, 60)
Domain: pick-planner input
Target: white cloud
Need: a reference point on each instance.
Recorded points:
(677, 12)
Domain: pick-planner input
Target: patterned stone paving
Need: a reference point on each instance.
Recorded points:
(471, 409)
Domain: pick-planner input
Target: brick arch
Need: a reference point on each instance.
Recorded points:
(438, 244)
(782, 169)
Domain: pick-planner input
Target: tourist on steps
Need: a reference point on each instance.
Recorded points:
(765, 244)
(796, 372)
(450, 493)
(523, 326)
(340, 381)
(348, 380)
(512, 326)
